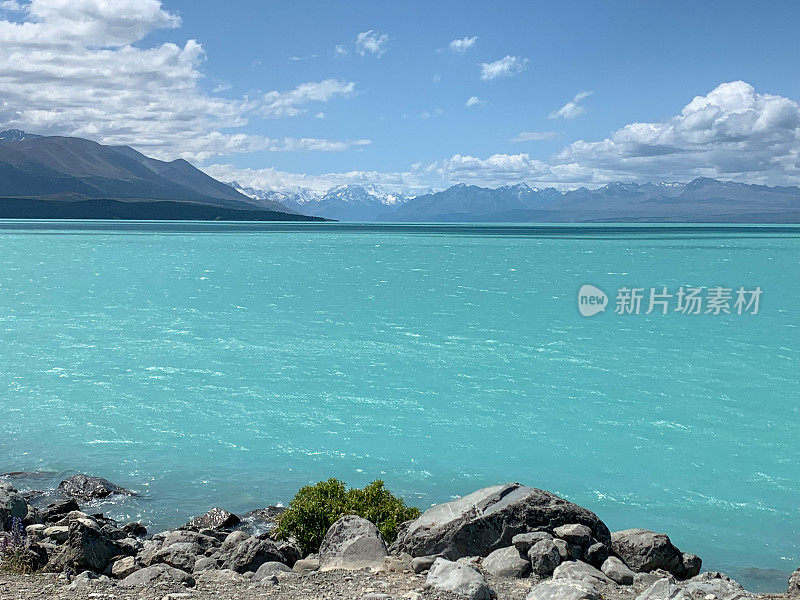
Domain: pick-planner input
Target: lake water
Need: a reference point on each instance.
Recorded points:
(223, 364)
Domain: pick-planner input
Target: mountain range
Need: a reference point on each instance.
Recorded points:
(68, 177)
(700, 200)
(69, 169)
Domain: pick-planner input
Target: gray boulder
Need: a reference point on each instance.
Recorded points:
(86, 548)
(216, 518)
(507, 562)
(149, 576)
(205, 563)
(12, 506)
(716, 583)
(250, 554)
(524, 541)
(690, 565)
(83, 487)
(233, 539)
(181, 555)
(306, 565)
(617, 571)
(794, 584)
(269, 569)
(596, 554)
(352, 542)
(580, 572)
(643, 551)
(459, 579)
(488, 519)
(663, 589)
(203, 542)
(544, 557)
(420, 564)
(561, 590)
(123, 567)
(574, 533)
(563, 549)
(220, 576)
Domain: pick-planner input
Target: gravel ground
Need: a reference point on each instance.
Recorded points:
(330, 585)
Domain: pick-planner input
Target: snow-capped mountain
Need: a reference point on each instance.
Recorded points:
(701, 200)
(16, 135)
(343, 202)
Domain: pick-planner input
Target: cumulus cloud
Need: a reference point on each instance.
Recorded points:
(69, 67)
(533, 136)
(274, 179)
(508, 66)
(461, 45)
(573, 108)
(292, 103)
(731, 133)
(473, 101)
(372, 42)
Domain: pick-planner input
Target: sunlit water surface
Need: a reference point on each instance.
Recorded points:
(230, 364)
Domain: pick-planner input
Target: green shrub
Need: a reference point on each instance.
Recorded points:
(316, 507)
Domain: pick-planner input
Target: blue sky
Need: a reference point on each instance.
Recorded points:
(395, 111)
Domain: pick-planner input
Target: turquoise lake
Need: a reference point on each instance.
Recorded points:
(206, 364)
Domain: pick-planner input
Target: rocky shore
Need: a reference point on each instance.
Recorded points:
(507, 541)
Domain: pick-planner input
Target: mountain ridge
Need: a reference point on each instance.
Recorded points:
(700, 200)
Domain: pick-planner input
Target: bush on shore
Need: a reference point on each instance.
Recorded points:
(316, 507)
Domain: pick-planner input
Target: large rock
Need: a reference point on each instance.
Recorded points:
(86, 548)
(716, 583)
(507, 562)
(216, 518)
(181, 555)
(524, 541)
(580, 572)
(352, 542)
(83, 487)
(794, 585)
(644, 551)
(574, 533)
(488, 519)
(202, 541)
(617, 571)
(149, 576)
(269, 569)
(562, 590)
(663, 589)
(250, 554)
(545, 557)
(57, 510)
(12, 506)
(459, 579)
(123, 567)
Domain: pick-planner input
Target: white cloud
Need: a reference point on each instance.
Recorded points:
(508, 66)
(273, 179)
(474, 101)
(573, 108)
(11, 5)
(340, 50)
(222, 87)
(319, 115)
(461, 45)
(69, 68)
(732, 133)
(372, 43)
(533, 136)
(292, 103)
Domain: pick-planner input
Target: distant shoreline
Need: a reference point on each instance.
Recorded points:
(160, 210)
